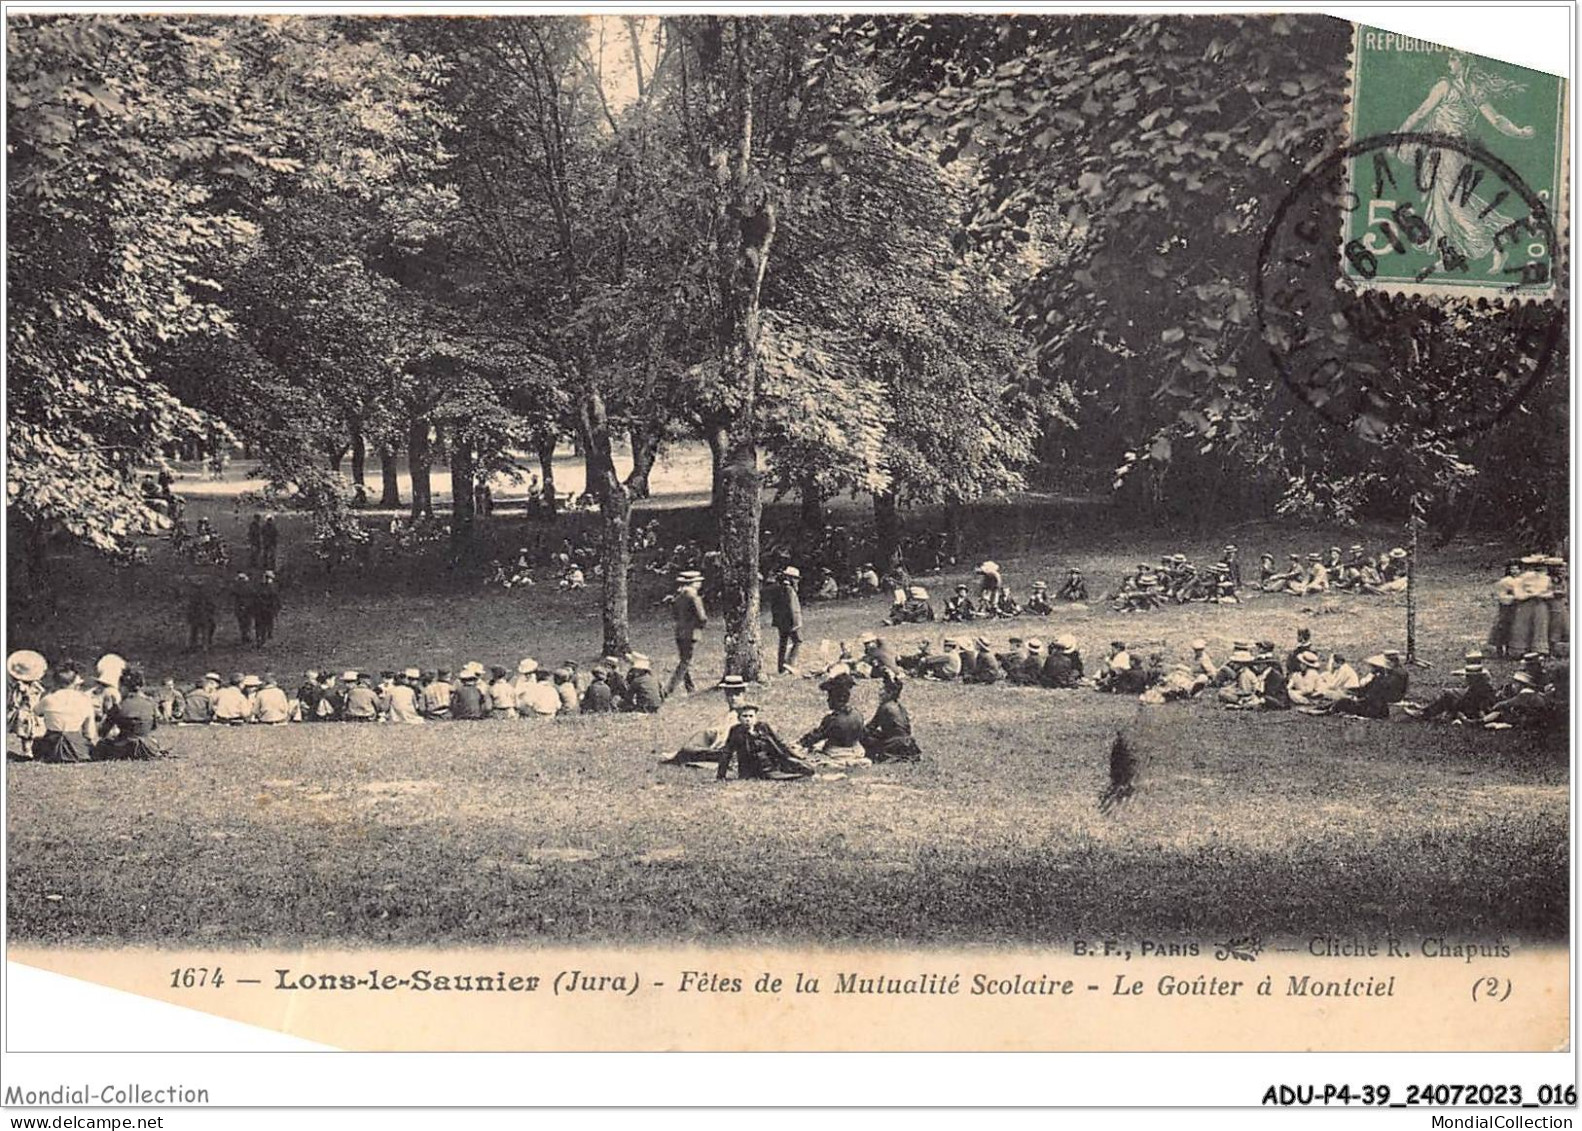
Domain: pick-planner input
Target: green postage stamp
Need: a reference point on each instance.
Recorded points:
(1457, 172)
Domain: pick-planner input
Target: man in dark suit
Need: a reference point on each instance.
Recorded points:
(691, 620)
(785, 611)
(758, 751)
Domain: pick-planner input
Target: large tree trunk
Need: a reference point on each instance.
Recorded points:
(886, 529)
(1414, 523)
(813, 518)
(739, 539)
(419, 457)
(546, 468)
(359, 457)
(645, 448)
(390, 478)
(744, 216)
(463, 491)
(718, 438)
(615, 513)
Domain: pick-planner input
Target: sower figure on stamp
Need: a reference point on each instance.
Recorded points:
(691, 620)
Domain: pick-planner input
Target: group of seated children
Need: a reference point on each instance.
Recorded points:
(1355, 571)
(994, 599)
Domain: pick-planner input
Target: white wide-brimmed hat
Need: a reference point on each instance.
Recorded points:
(641, 662)
(26, 665)
(527, 667)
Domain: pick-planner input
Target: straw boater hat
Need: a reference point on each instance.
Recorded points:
(1472, 669)
(1067, 643)
(732, 683)
(1379, 661)
(641, 663)
(412, 673)
(1398, 552)
(1266, 556)
(1315, 557)
(215, 676)
(109, 668)
(1073, 569)
(952, 642)
(982, 643)
(1307, 660)
(990, 568)
(688, 577)
(1035, 646)
(1523, 678)
(26, 665)
(347, 676)
(1036, 585)
(527, 667)
(252, 681)
(791, 572)
(962, 585)
(1241, 655)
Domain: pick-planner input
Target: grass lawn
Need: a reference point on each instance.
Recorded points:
(570, 831)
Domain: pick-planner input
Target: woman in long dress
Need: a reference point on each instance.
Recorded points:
(1504, 609)
(1559, 609)
(1530, 628)
(1462, 222)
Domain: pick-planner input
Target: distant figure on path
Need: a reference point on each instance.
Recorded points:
(201, 616)
(242, 597)
(270, 544)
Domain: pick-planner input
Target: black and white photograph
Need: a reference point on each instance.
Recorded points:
(977, 518)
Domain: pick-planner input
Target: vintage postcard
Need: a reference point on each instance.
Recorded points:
(731, 532)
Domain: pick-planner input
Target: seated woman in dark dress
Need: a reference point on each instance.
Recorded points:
(888, 735)
(130, 725)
